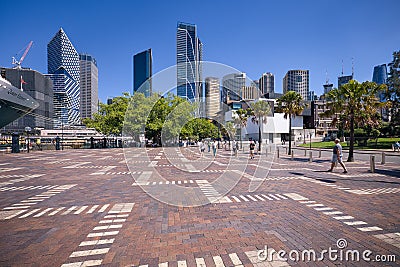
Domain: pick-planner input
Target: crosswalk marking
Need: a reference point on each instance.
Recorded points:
(369, 229)
(68, 211)
(355, 223)
(97, 242)
(235, 259)
(56, 211)
(218, 261)
(80, 210)
(200, 262)
(91, 252)
(181, 264)
(83, 263)
(42, 212)
(29, 213)
(92, 209)
(104, 208)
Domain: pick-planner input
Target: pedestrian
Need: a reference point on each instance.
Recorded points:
(214, 148)
(202, 147)
(337, 156)
(252, 146)
(208, 146)
(234, 147)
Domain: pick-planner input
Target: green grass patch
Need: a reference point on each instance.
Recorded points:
(383, 143)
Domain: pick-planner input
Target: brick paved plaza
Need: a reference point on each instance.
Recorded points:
(170, 207)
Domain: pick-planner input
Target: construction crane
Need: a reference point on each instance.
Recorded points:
(18, 63)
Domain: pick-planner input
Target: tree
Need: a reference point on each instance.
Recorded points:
(259, 111)
(230, 130)
(291, 104)
(358, 105)
(393, 92)
(199, 128)
(110, 118)
(241, 121)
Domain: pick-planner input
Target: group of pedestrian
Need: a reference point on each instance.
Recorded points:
(210, 144)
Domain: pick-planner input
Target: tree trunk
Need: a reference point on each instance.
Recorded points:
(259, 137)
(241, 141)
(290, 135)
(351, 148)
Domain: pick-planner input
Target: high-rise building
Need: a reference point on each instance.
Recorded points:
(250, 92)
(380, 76)
(64, 70)
(327, 88)
(89, 84)
(232, 86)
(39, 88)
(189, 54)
(267, 84)
(298, 81)
(342, 80)
(212, 94)
(142, 72)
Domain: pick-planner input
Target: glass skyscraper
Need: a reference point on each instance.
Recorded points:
(380, 74)
(142, 72)
(298, 81)
(189, 54)
(232, 87)
(64, 70)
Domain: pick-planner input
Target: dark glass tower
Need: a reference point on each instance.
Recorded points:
(380, 74)
(189, 54)
(142, 72)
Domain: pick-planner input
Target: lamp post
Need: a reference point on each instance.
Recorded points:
(27, 130)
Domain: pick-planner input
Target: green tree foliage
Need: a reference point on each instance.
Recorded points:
(110, 118)
(393, 92)
(241, 120)
(357, 105)
(198, 129)
(291, 104)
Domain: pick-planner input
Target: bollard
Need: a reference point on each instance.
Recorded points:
(383, 158)
(277, 152)
(310, 160)
(320, 153)
(305, 152)
(372, 163)
(270, 149)
(286, 150)
(292, 154)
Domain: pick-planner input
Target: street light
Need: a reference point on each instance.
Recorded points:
(27, 130)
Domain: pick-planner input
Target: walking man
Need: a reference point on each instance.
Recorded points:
(252, 146)
(214, 148)
(337, 156)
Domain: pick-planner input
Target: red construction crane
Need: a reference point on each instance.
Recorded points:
(18, 63)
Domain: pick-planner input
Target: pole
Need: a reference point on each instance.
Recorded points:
(27, 143)
(310, 157)
(383, 158)
(292, 155)
(62, 134)
(372, 163)
(320, 153)
(277, 151)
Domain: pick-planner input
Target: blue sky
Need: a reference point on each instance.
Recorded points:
(251, 36)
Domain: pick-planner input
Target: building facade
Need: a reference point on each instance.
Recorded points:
(232, 87)
(250, 92)
(342, 80)
(39, 88)
(380, 74)
(89, 86)
(298, 81)
(142, 72)
(64, 70)
(189, 54)
(267, 84)
(212, 95)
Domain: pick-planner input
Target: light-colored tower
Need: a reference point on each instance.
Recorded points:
(267, 84)
(89, 84)
(298, 81)
(212, 94)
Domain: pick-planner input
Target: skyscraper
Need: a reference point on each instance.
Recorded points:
(232, 86)
(89, 85)
(342, 80)
(298, 81)
(267, 84)
(189, 54)
(380, 74)
(63, 68)
(142, 72)
(212, 93)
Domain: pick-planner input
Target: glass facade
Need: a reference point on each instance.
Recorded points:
(189, 54)
(64, 70)
(142, 72)
(89, 85)
(298, 81)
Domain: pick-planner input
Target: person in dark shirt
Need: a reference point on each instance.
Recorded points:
(337, 156)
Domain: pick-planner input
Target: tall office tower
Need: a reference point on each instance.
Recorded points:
(267, 85)
(342, 80)
(298, 81)
(380, 74)
(142, 72)
(63, 68)
(250, 92)
(212, 94)
(189, 54)
(232, 86)
(312, 96)
(39, 88)
(89, 83)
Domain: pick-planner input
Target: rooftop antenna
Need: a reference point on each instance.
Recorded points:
(352, 67)
(326, 76)
(342, 67)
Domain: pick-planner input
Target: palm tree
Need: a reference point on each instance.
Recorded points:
(291, 104)
(259, 111)
(241, 121)
(357, 104)
(231, 131)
